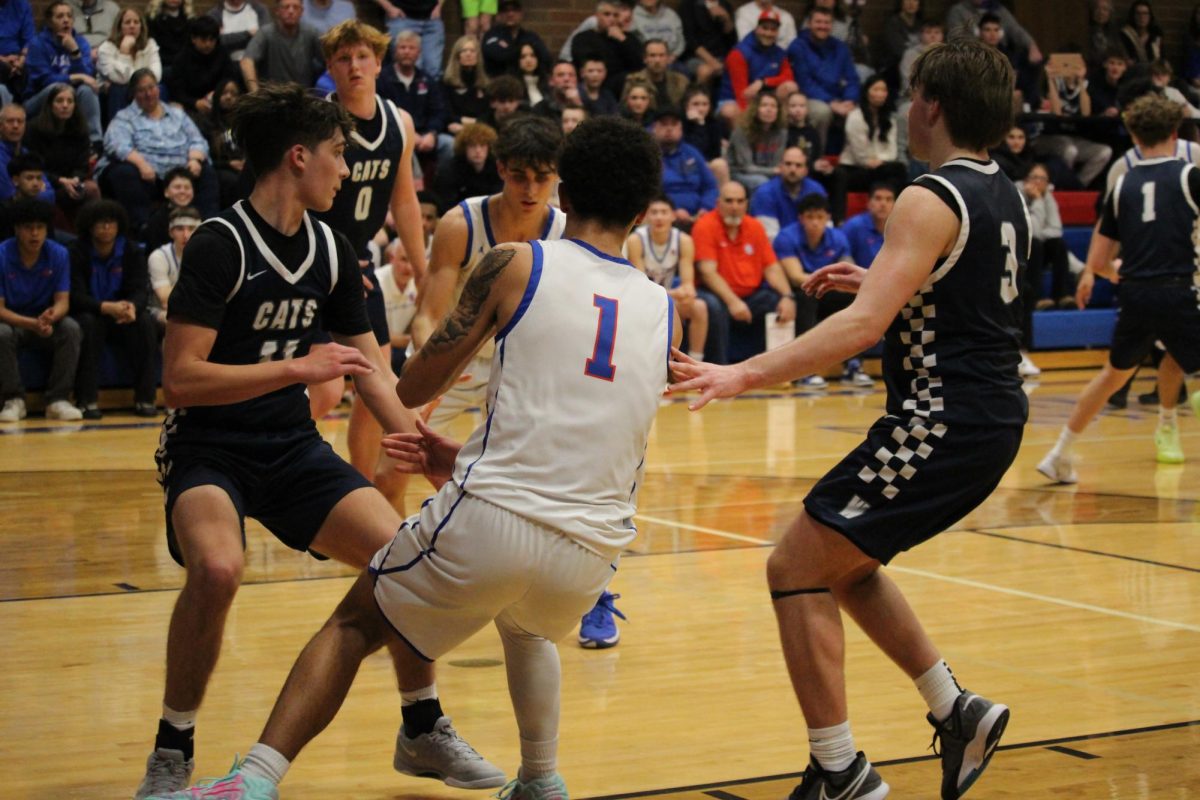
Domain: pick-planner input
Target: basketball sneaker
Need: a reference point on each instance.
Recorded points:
(1166, 441)
(1195, 401)
(237, 785)
(810, 382)
(14, 410)
(166, 771)
(859, 781)
(1060, 469)
(968, 739)
(445, 755)
(550, 788)
(853, 375)
(598, 629)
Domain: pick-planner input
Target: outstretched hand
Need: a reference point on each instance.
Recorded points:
(425, 452)
(840, 277)
(711, 380)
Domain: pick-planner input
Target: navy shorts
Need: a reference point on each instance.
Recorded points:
(289, 480)
(910, 480)
(1166, 312)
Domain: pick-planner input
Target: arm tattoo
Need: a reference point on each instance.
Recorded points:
(456, 326)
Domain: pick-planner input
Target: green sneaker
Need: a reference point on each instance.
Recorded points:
(235, 786)
(551, 788)
(1166, 439)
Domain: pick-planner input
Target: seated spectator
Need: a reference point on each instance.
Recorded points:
(842, 29)
(757, 143)
(227, 157)
(755, 65)
(505, 96)
(472, 172)
(667, 256)
(321, 15)
(1103, 31)
(463, 85)
(168, 23)
(16, 34)
(502, 43)
(239, 21)
(145, 140)
(411, 88)
(1069, 98)
(637, 104)
(669, 85)
(901, 32)
(534, 75)
(289, 49)
(27, 174)
(687, 179)
(108, 299)
(97, 18)
(35, 290)
(178, 192)
(964, 19)
(570, 118)
(59, 135)
(423, 18)
(742, 280)
(803, 248)
(803, 135)
(200, 67)
(1162, 75)
(12, 135)
(127, 49)
(1028, 91)
(597, 99)
(654, 19)
(163, 263)
(710, 34)
(748, 16)
(564, 92)
(776, 203)
(1014, 155)
(620, 50)
(825, 70)
(1047, 246)
(1142, 37)
(702, 131)
(932, 32)
(864, 231)
(1104, 87)
(59, 55)
(399, 287)
(872, 153)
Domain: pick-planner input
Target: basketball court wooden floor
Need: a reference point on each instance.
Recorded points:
(1077, 606)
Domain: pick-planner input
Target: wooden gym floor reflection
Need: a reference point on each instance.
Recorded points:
(1077, 606)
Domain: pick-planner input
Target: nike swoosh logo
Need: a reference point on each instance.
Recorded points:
(256, 274)
(849, 791)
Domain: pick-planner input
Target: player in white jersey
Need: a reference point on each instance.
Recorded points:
(164, 262)
(667, 256)
(525, 524)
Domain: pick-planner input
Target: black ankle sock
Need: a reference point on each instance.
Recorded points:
(420, 717)
(171, 738)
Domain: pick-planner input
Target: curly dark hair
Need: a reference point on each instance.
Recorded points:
(529, 142)
(100, 211)
(30, 211)
(278, 116)
(617, 167)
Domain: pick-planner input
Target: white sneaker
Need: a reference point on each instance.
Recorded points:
(13, 411)
(61, 409)
(811, 382)
(1058, 468)
(446, 756)
(1028, 369)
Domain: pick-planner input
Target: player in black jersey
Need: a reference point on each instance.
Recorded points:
(379, 156)
(943, 288)
(1152, 214)
(254, 283)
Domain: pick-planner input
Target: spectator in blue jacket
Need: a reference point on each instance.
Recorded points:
(687, 180)
(16, 34)
(12, 132)
(59, 55)
(420, 94)
(864, 231)
(755, 65)
(777, 202)
(824, 68)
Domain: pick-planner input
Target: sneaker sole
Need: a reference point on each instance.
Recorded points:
(598, 644)
(879, 793)
(983, 746)
(482, 783)
(1170, 458)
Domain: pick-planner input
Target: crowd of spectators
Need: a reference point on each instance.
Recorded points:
(760, 114)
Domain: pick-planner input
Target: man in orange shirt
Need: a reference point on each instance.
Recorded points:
(743, 279)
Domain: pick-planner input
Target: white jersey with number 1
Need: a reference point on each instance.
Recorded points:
(574, 389)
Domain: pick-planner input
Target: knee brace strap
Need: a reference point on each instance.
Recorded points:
(779, 595)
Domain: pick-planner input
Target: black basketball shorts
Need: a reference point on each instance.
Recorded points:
(1170, 313)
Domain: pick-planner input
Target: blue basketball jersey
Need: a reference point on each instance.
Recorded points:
(951, 355)
(1153, 212)
(373, 156)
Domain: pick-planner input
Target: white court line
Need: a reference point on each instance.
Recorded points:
(1112, 612)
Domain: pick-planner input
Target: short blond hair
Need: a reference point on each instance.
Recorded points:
(350, 33)
(1152, 118)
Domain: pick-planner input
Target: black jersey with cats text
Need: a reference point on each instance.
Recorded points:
(1152, 211)
(951, 355)
(266, 295)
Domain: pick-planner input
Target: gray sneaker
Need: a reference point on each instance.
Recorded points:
(549, 788)
(968, 739)
(445, 755)
(859, 781)
(166, 772)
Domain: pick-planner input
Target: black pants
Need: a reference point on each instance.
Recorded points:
(139, 340)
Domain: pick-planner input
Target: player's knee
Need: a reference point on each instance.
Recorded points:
(216, 576)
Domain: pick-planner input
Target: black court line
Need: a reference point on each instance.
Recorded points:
(1068, 751)
(1046, 743)
(1087, 550)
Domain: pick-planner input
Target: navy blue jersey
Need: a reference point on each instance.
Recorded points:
(266, 295)
(951, 355)
(373, 156)
(1152, 211)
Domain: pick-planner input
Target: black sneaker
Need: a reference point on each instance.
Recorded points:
(859, 781)
(145, 410)
(92, 411)
(968, 739)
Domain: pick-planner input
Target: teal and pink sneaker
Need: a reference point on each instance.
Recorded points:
(235, 786)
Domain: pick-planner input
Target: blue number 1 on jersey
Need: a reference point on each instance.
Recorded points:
(600, 365)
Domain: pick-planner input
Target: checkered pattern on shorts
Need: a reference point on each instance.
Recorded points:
(913, 444)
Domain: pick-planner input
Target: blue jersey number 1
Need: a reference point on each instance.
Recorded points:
(600, 365)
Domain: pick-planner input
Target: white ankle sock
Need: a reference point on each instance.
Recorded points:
(266, 762)
(833, 748)
(179, 720)
(1066, 440)
(538, 759)
(417, 695)
(939, 690)
(1166, 416)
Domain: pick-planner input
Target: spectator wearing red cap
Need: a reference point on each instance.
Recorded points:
(747, 16)
(757, 63)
